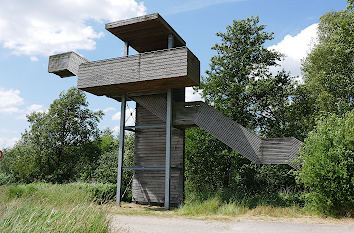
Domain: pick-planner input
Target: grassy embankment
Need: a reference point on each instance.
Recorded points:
(51, 208)
(287, 209)
(78, 207)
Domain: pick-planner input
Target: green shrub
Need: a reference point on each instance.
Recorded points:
(212, 168)
(6, 179)
(328, 165)
(19, 191)
(102, 193)
(106, 171)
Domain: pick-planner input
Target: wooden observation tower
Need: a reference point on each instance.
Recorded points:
(155, 79)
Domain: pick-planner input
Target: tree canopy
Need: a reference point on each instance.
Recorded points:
(58, 141)
(328, 69)
(239, 83)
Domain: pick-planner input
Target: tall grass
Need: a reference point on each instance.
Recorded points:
(51, 208)
(256, 206)
(212, 206)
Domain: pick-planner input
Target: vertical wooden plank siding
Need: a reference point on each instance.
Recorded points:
(168, 149)
(150, 151)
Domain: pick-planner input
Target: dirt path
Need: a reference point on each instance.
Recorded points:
(148, 224)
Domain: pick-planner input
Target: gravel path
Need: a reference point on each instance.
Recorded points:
(148, 224)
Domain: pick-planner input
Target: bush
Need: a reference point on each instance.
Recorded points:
(6, 179)
(328, 165)
(212, 168)
(102, 193)
(106, 171)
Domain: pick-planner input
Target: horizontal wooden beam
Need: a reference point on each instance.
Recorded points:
(145, 168)
(144, 126)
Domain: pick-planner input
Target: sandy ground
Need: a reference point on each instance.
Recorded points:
(144, 224)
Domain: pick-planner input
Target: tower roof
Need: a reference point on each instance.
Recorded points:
(145, 33)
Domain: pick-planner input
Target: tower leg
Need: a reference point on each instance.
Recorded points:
(168, 149)
(121, 149)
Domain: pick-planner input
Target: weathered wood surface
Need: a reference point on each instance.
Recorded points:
(239, 138)
(145, 33)
(150, 151)
(158, 70)
(65, 64)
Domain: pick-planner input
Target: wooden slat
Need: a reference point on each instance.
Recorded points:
(152, 71)
(145, 33)
(150, 151)
(244, 141)
(65, 64)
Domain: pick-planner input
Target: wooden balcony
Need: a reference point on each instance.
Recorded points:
(144, 72)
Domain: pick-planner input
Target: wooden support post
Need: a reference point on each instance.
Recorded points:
(121, 149)
(170, 44)
(168, 149)
(121, 138)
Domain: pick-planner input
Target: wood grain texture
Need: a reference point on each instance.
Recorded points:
(150, 151)
(145, 33)
(246, 142)
(158, 70)
(65, 64)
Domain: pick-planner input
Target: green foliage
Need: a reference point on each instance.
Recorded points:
(106, 171)
(241, 59)
(60, 145)
(240, 85)
(329, 68)
(273, 107)
(328, 165)
(102, 193)
(65, 145)
(50, 208)
(210, 170)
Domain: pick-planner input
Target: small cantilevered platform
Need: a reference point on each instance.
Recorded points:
(145, 33)
(65, 64)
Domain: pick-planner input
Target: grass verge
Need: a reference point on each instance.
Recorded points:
(80, 207)
(51, 208)
(215, 209)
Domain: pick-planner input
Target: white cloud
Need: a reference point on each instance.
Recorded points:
(116, 116)
(30, 109)
(108, 109)
(7, 142)
(34, 58)
(295, 48)
(35, 108)
(191, 95)
(129, 117)
(9, 99)
(12, 102)
(45, 27)
(115, 129)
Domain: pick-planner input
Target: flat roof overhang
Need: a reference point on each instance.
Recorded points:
(145, 33)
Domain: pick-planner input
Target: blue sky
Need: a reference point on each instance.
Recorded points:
(30, 31)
